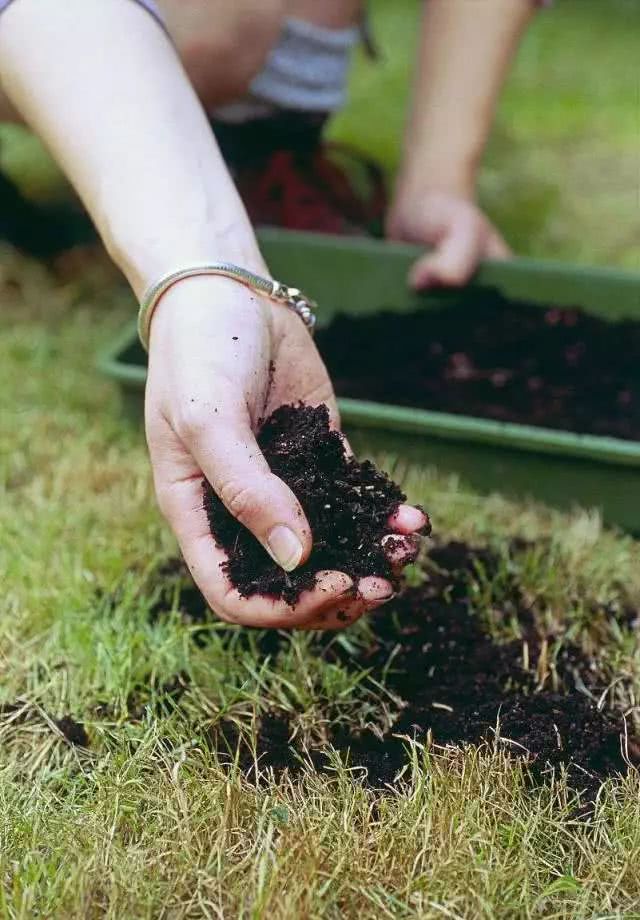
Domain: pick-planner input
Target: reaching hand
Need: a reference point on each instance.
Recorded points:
(221, 358)
(460, 234)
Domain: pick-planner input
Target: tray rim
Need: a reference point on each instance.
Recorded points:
(447, 426)
(450, 427)
(514, 264)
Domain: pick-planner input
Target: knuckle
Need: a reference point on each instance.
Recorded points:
(469, 226)
(191, 421)
(230, 56)
(240, 500)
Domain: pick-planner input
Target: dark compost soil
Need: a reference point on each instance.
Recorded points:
(533, 697)
(347, 503)
(494, 358)
(20, 712)
(458, 685)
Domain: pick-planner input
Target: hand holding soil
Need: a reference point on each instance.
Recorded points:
(222, 360)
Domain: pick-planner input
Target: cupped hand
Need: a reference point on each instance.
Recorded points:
(458, 232)
(221, 359)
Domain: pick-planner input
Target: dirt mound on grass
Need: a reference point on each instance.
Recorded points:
(534, 697)
(458, 685)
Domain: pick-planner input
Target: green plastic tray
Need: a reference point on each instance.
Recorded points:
(361, 276)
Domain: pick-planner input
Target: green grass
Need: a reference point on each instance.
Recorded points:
(145, 823)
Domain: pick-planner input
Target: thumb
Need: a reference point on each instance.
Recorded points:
(455, 258)
(228, 454)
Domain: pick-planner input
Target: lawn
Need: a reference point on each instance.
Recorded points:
(138, 813)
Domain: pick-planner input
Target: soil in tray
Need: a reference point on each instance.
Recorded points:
(494, 358)
(347, 504)
(458, 685)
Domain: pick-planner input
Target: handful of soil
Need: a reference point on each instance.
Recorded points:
(347, 504)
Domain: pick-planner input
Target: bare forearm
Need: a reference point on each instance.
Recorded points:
(102, 85)
(465, 50)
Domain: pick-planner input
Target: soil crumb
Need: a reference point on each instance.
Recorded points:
(73, 731)
(21, 713)
(495, 358)
(347, 503)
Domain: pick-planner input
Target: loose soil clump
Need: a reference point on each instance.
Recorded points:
(491, 357)
(347, 504)
(460, 686)
(21, 713)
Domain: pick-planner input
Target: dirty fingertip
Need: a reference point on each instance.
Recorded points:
(402, 550)
(410, 519)
(375, 590)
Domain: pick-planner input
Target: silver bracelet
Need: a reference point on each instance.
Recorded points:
(290, 297)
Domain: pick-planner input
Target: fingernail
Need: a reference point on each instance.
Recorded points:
(379, 592)
(383, 598)
(284, 548)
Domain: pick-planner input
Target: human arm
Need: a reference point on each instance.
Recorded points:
(466, 47)
(102, 85)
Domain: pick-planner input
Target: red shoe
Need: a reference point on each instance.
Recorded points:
(288, 177)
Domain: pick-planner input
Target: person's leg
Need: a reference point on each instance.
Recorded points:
(223, 44)
(332, 14)
(272, 136)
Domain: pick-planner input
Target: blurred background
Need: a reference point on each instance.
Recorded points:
(562, 174)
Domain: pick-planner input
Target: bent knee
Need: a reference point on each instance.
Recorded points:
(223, 49)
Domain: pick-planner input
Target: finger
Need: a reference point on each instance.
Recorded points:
(455, 258)
(496, 247)
(348, 450)
(409, 519)
(226, 450)
(332, 591)
(206, 563)
(335, 620)
(372, 592)
(401, 550)
(334, 424)
(181, 503)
